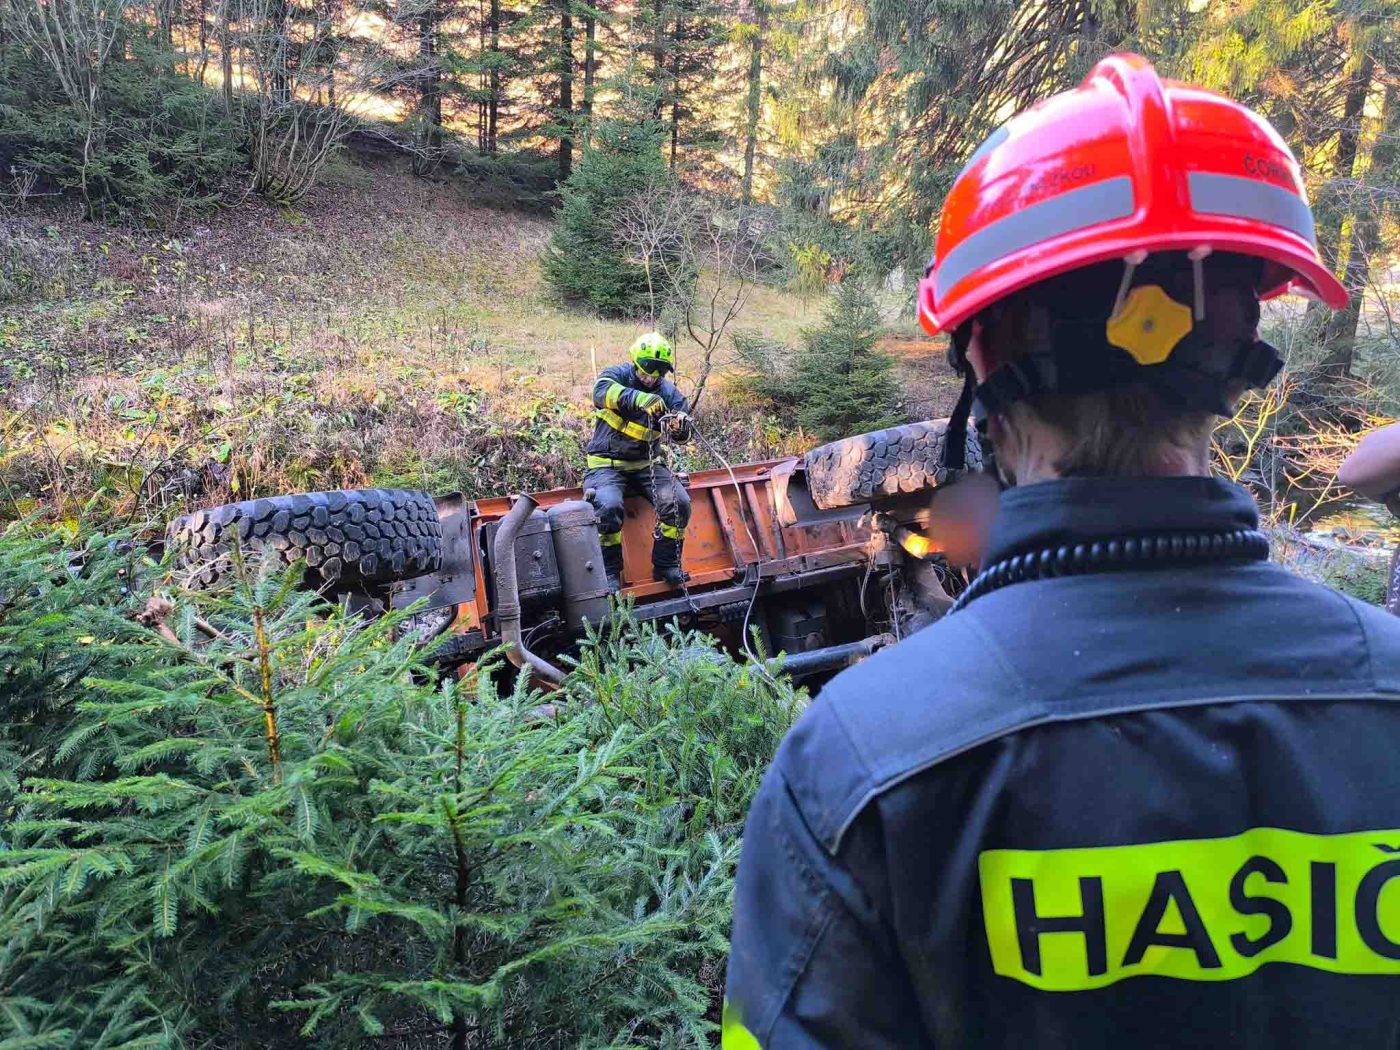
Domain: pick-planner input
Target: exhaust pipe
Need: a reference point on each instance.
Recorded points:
(508, 592)
(833, 656)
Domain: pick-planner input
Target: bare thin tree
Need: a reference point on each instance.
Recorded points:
(289, 64)
(702, 260)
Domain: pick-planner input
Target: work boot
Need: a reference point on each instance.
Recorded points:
(612, 566)
(666, 560)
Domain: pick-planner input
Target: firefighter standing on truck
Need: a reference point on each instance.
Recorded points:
(624, 455)
(1139, 788)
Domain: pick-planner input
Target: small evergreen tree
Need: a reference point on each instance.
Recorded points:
(253, 820)
(838, 383)
(586, 260)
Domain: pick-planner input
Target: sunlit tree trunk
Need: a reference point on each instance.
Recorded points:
(165, 17)
(1366, 230)
(202, 65)
(430, 87)
(226, 51)
(676, 38)
(658, 48)
(590, 64)
(566, 89)
(279, 24)
(754, 107)
(493, 102)
(1340, 198)
(482, 81)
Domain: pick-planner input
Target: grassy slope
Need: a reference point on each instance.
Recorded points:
(388, 332)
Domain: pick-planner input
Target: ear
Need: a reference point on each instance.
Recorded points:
(977, 352)
(998, 429)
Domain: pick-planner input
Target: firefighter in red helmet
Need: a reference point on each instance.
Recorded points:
(1139, 787)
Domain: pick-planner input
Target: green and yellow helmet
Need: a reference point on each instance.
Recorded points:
(653, 354)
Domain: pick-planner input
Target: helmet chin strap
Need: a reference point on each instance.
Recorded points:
(955, 442)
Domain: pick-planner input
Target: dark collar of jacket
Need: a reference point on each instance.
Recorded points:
(1081, 647)
(1081, 510)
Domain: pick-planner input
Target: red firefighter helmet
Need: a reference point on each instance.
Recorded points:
(1123, 165)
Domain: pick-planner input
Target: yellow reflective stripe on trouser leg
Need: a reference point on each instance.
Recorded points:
(633, 430)
(671, 532)
(610, 539)
(733, 1034)
(595, 462)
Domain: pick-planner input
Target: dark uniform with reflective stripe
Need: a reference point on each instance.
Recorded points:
(623, 454)
(1127, 809)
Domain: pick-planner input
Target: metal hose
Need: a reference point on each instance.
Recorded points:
(833, 656)
(508, 592)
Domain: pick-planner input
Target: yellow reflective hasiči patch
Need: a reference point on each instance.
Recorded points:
(733, 1034)
(1149, 325)
(1197, 910)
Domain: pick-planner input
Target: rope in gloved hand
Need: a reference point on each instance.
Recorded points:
(664, 424)
(671, 418)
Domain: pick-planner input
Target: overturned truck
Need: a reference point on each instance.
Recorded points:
(825, 558)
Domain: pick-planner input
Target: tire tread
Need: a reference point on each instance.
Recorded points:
(313, 526)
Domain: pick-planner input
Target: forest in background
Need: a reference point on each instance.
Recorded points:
(257, 246)
(716, 168)
(847, 118)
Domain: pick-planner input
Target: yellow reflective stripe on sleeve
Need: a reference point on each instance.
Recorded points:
(1195, 910)
(617, 464)
(671, 532)
(733, 1035)
(633, 430)
(610, 539)
(614, 394)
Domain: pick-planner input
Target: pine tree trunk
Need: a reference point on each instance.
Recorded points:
(226, 53)
(566, 89)
(1344, 163)
(1338, 357)
(754, 107)
(279, 25)
(203, 65)
(493, 102)
(1365, 237)
(658, 47)
(165, 17)
(429, 90)
(590, 65)
(482, 83)
(676, 38)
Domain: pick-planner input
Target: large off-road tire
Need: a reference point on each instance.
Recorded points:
(346, 538)
(883, 463)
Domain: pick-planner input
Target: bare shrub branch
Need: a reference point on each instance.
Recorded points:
(701, 258)
(295, 73)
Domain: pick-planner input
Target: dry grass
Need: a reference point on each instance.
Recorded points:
(390, 332)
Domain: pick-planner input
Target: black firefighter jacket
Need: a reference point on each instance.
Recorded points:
(624, 432)
(1133, 809)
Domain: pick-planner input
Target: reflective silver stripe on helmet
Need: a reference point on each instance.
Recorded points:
(1065, 213)
(1242, 198)
(990, 143)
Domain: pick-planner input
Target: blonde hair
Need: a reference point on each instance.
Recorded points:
(1131, 428)
(1122, 432)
